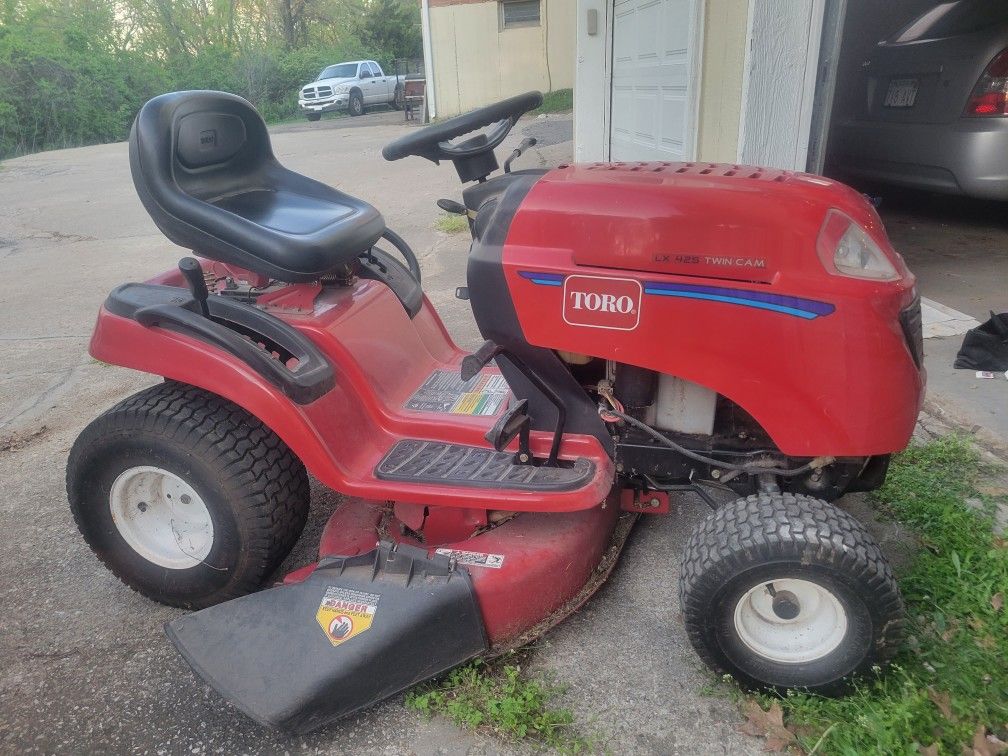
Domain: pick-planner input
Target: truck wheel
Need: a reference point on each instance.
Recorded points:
(186, 497)
(787, 591)
(356, 106)
(399, 99)
(313, 116)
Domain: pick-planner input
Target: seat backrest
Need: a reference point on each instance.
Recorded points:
(204, 169)
(203, 144)
(206, 144)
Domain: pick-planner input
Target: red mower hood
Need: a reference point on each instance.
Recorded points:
(695, 219)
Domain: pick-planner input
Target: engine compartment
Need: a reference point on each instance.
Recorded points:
(818, 359)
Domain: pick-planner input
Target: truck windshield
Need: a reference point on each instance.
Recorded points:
(339, 71)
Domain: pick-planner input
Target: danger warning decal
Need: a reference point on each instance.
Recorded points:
(345, 613)
(600, 302)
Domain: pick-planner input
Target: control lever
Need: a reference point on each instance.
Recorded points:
(193, 273)
(522, 146)
(451, 206)
(473, 363)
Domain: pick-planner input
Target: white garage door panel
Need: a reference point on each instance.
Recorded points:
(652, 87)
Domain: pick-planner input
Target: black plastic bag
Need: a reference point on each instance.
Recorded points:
(986, 346)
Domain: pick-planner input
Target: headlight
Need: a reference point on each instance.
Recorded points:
(846, 249)
(341, 89)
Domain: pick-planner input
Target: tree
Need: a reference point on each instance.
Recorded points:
(391, 27)
(77, 71)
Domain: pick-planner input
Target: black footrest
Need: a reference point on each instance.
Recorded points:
(415, 461)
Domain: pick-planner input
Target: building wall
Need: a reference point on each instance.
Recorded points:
(721, 78)
(782, 68)
(475, 62)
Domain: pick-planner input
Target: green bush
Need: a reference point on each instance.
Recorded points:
(75, 72)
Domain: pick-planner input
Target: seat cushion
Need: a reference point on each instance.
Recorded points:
(204, 168)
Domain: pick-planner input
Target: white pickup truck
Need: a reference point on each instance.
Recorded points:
(351, 86)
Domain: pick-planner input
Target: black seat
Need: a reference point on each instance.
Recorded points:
(204, 169)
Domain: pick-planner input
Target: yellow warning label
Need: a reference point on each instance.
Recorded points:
(345, 613)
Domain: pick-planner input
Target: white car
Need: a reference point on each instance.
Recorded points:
(351, 86)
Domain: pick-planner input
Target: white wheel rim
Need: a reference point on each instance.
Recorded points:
(764, 621)
(161, 517)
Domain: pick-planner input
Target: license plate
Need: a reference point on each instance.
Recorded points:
(902, 93)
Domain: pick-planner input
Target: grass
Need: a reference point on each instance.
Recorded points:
(951, 679)
(500, 698)
(451, 223)
(557, 101)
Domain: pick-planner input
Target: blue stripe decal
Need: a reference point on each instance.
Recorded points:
(744, 302)
(807, 309)
(542, 279)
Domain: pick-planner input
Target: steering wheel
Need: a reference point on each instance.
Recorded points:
(434, 142)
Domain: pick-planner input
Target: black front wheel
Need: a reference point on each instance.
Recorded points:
(788, 591)
(186, 497)
(313, 116)
(356, 106)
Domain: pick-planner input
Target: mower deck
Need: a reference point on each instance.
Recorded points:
(423, 607)
(529, 567)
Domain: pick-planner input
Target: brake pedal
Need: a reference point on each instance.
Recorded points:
(514, 422)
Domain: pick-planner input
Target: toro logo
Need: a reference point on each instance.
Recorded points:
(599, 302)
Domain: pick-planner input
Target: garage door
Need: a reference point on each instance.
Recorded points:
(652, 87)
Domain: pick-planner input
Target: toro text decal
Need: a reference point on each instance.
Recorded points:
(602, 302)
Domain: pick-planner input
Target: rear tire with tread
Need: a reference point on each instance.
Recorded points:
(795, 540)
(254, 487)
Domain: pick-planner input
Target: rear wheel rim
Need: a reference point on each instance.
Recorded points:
(790, 621)
(161, 517)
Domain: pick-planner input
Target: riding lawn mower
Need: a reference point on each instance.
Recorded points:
(651, 330)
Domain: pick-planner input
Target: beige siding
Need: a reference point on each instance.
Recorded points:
(721, 79)
(476, 63)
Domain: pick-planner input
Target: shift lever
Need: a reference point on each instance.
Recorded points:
(524, 145)
(190, 268)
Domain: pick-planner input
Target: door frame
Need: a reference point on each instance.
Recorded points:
(593, 101)
(797, 149)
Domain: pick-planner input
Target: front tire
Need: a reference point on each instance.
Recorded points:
(313, 116)
(356, 105)
(186, 497)
(787, 591)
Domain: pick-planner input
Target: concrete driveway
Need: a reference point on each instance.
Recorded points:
(86, 666)
(958, 248)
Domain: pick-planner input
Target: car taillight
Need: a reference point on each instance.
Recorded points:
(990, 95)
(846, 249)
